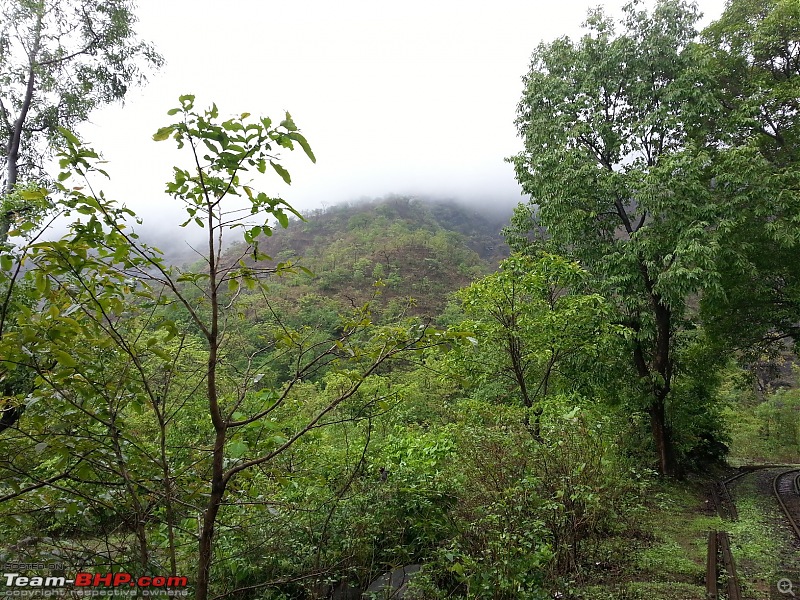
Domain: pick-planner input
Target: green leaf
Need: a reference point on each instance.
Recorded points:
(171, 328)
(63, 358)
(300, 139)
(237, 449)
(163, 133)
(6, 262)
(282, 218)
(282, 172)
(38, 194)
(288, 123)
(161, 354)
(69, 136)
(42, 284)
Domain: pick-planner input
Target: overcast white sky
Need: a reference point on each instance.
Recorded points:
(394, 97)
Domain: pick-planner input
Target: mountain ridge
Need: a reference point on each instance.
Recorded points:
(419, 248)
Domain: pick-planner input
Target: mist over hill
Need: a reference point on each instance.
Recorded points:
(416, 248)
(479, 222)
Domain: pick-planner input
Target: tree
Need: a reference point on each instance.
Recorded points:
(530, 332)
(114, 300)
(757, 61)
(235, 147)
(616, 164)
(63, 334)
(755, 57)
(58, 61)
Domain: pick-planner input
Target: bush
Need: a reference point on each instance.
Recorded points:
(765, 430)
(779, 419)
(526, 511)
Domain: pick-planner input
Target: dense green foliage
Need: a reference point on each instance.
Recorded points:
(755, 62)
(329, 455)
(646, 161)
(320, 399)
(59, 61)
(418, 249)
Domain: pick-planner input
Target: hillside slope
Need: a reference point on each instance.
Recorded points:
(418, 249)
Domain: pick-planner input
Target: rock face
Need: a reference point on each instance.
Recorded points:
(344, 591)
(340, 591)
(392, 584)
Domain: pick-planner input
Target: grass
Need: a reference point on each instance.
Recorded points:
(759, 544)
(667, 561)
(764, 434)
(637, 590)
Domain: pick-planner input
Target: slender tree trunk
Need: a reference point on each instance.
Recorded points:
(515, 354)
(659, 371)
(662, 366)
(15, 141)
(209, 521)
(218, 483)
(663, 438)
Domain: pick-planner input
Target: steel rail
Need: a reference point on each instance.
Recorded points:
(734, 590)
(720, 544)
(796, 486)
(712, 589)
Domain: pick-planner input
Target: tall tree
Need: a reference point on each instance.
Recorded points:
(101, 268)
(58, 61)
(755, 54)
(616, 167)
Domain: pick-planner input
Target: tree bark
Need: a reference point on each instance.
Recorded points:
(659, 371)
(515, 353)
(663, 438)
(15, 141)
(218, 482)
(209, 521)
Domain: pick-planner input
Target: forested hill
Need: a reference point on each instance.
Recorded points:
(422, 249)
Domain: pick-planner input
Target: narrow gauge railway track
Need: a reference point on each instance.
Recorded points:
(721, 495)
(723, 501)
(786, 487)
